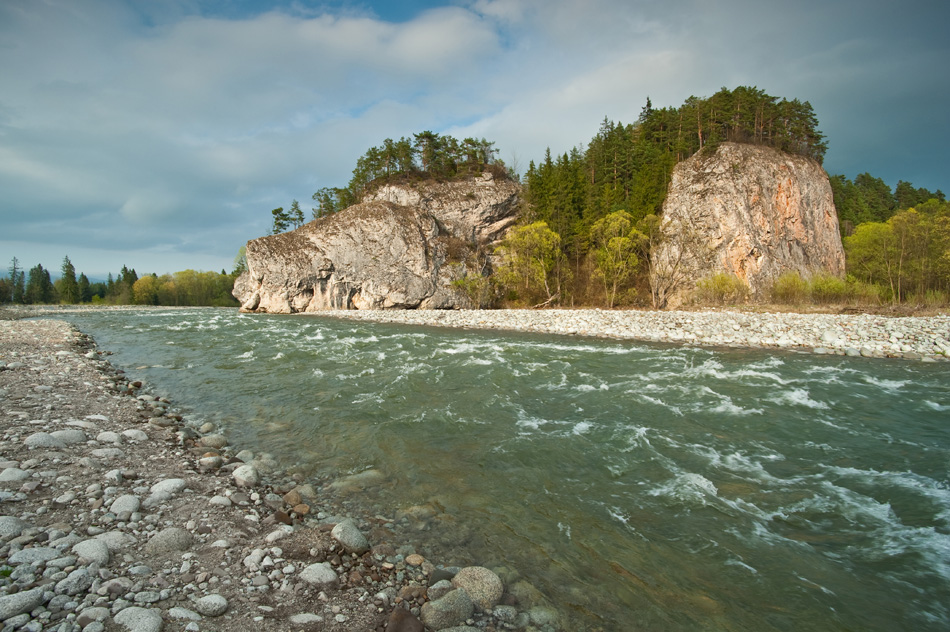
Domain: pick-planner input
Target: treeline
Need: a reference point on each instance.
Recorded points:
(425, 155)
(627, 167)
(870, 199)
(186, 288)
(906, 257)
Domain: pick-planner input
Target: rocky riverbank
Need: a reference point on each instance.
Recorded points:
(913, 338)
(116, 513)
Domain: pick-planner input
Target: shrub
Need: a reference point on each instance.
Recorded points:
(790, 289)
(826, 288)
(721, 289)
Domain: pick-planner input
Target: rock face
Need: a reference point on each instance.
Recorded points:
(751, 211)
(398, 248)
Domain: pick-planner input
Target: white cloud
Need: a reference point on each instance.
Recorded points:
(180, 131)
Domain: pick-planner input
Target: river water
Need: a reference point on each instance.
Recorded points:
(636, 486)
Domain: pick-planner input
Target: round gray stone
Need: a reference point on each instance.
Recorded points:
(212, 605)
(183, 614)
(70, 436)
(482, 585)
(170, 539)
(451, 610)
(43, 440)
(137, 619)
(349, 535)
(216, 441)
(14, 475)
(321, 574)
(21, 602)
(11, 526)
(125, 503)
(34, 555)
(76, 582)
(169, 486)
(246, 476)
(93, 551)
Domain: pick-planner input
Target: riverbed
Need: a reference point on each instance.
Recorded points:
(637, 485)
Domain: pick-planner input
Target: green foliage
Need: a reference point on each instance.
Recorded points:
(532, 265)
(790, 289)
(828, 289)
(281, 220)
(616, 243)
(39, 287)
(67, 285)
(295, 217)
(869, 199)
(721, 289)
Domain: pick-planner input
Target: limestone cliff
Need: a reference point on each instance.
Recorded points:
(396, 249)
(748, 210)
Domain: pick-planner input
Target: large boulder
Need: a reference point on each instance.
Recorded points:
(747, 210)
(401, 247)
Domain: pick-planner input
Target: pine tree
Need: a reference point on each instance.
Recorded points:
(296, 215)
(69, 288)
(281, 220)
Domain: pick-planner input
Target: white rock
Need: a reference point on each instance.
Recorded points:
(43, 440)
(95, 551)
(125, 503)
(109, 437)
(135, 435)
(321, 574)
(212, 605)
(246, 476)
(137, 619)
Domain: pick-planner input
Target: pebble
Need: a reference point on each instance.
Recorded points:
(43, 440)
(451, 610)
(93, 551)
(170, 539)
(21, 602)
(135, 619)
(212, 605)
(349, 535)
(246, 476)
(321, 574)
(482, 585)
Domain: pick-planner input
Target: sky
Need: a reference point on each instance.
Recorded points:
(159, 134)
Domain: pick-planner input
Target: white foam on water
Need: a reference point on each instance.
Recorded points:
(658, 402)
(616, 514)
(726, 406)
(317, 373)
(798, 397)
(741, 564)
(280, 354)
(582, 427)
(565, 529)
(355, 376)
(936, 406)
(772, 362)
(368, 397)
(687, 487)
(888, 385)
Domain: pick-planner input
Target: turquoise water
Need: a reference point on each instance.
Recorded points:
(637, 486)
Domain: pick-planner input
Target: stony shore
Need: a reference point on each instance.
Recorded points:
(913, 338)
(116, 513)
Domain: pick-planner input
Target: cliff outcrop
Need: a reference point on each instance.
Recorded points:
(746, 210)
(402, 247)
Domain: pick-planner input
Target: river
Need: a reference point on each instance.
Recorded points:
(637, 486)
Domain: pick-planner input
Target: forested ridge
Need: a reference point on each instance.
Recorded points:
(590, 217)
